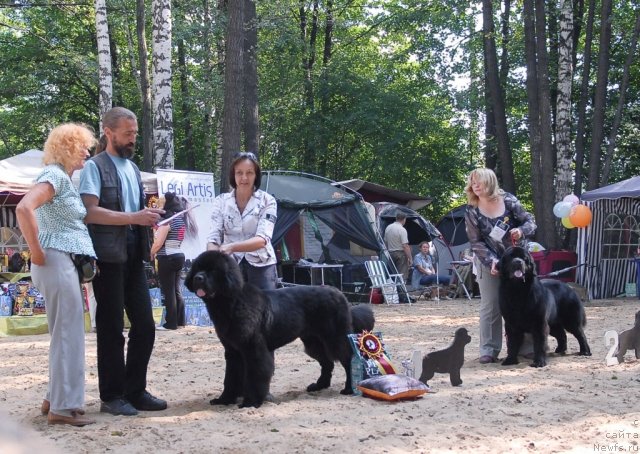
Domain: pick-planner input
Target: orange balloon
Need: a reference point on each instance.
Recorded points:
(580, 216)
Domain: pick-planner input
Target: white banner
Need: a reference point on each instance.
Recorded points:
(197, 188)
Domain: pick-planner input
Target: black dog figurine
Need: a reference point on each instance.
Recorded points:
(447, 361)
(630, 340)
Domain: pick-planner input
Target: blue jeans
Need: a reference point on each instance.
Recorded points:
(430, 279)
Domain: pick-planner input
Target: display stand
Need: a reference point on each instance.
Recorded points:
(37, 324)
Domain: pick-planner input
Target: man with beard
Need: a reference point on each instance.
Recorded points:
(111, 189)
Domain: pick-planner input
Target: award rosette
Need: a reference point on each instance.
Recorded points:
(371, 347)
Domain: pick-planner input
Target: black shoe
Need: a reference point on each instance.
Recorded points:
(146, 402)
(118, 407)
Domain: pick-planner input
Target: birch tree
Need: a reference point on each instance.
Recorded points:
(564, 176)
(105, 80)
(163, 153)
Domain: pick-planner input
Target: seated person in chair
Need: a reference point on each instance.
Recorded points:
(424, 273)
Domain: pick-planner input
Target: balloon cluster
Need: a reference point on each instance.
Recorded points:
(572, 213)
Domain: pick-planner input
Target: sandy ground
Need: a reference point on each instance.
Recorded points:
(575, 404)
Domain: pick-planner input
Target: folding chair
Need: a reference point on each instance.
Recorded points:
(386, 282)
(461, 268)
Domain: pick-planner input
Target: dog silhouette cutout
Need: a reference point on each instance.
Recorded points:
(447, 361)
(629, 340)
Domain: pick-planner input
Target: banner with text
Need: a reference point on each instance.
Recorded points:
(197, 188)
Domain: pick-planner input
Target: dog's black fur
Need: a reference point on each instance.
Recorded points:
(537, 306)
(447, 361)
(630, 340)
(252, 323)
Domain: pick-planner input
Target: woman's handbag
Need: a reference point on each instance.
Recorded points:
(86, 266)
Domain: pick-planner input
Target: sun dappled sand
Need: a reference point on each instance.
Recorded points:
(575, 404)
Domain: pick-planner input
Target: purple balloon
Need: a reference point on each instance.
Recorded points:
(572, 199)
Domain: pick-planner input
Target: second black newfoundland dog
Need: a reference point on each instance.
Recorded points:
(537, 306)
(252, 324)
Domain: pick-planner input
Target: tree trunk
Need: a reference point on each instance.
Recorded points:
(308, 61)
(551, 19)
(600, 100)
(232, 114)
(251, 118)
(145, 94)
(581, 111)
(163, 154)
(490, 149)
(546, 224)
(578, 17)
(497, 98)
(105, 82)
(207, 76)
(564, 174)
(323, 147)
(188, 148)
(534, 110)
(618, 116)
(504, 56)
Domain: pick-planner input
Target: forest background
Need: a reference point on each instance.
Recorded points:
(409, 94)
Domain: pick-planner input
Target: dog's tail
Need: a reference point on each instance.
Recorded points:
(362, 318)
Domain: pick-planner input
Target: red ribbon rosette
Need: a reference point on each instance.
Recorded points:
(371, 347)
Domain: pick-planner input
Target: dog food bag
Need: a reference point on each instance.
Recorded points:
(369, 358)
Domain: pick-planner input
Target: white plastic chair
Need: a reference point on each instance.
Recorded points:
(387, 283)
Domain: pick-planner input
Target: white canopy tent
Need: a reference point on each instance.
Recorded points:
(17, 175)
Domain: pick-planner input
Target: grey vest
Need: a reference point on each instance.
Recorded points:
(110, 241)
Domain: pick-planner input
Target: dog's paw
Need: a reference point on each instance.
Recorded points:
(587, 353)
(560, 352)
(509, 361)
(346, 391)
(249, 403)
(223, 400)
(313, 387)
(539, 363)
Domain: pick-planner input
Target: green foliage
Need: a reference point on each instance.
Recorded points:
(400, 101)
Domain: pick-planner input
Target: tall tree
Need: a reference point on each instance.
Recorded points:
(546, 226)
(535, 135)
(145, 92)
(497, 98)
(186, 102)
(308, 36)
(105, 82)
(163, 153)
(600, 97)
(564, 174)
(232, 87)
(621, 101)
(323, 151)
(250, 78)
(584, 98)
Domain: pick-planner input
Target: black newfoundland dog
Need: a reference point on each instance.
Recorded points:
(252, 323)
(537, 306)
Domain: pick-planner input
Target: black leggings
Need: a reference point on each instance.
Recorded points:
(169, 268)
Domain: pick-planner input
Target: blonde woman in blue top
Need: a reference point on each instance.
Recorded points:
(51, 218)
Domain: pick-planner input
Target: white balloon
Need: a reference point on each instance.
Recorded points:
(562, 209)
